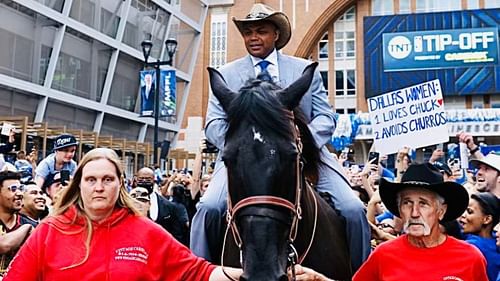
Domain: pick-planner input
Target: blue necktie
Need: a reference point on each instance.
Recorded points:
(264, 74)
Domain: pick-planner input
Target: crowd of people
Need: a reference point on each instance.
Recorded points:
(414, 221)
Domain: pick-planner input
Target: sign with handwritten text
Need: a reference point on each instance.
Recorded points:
(412, 116)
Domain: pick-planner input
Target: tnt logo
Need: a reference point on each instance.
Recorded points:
(399, 47)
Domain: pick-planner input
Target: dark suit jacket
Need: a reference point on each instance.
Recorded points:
(172, 219)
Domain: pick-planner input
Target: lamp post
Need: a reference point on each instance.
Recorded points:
(147, 45)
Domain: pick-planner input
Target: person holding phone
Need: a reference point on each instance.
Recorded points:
(61, 160)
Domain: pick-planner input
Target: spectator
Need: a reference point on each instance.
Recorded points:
(7, 147)
(265, 32)
(53, 187)
(162, 211)
(96, 234)
(422, 199)
(478, 222)
(34, 204)
(11, 196)
(180, 229)
(24, 165)
(61, 159)
(488, 174)
(474, 149)
(142, 201)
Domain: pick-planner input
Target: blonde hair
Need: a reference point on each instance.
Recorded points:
(71, 196)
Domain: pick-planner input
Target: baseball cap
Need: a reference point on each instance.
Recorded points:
(140, 193)
(51, 179)
(64, 140)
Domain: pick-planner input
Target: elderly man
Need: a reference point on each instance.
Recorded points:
(422, 200)
(488, 174)
(264, 33)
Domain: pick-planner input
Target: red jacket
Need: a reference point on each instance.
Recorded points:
(123, 247)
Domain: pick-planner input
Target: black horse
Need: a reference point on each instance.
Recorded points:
(271, 209)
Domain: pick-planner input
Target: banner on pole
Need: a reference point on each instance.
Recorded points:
(168, 105)
(412, 116)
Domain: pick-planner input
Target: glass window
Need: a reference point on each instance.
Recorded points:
(339, 83)
(404, 7)
(345, 82)
(110, 16)
(351, 82)
(339, 111)
(125, 86)
(218, 35)
(25, 44)
(489, 4)
(474, 4)
(59, 114)
(349, 15)
(351, 111)
(185, 36)
(324, 77)
(53, 4)
(345, 44)
(323, 47)
(84, 11)
(78, 70)
(14, 103)
(146, 21)
(383, 7)
(119, 128)
(192, 8)
(435, 6)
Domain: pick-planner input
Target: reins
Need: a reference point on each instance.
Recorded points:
(295, 208)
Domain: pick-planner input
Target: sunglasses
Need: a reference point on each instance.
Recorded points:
(16, 187)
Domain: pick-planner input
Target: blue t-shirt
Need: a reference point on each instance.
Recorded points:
(48, 166)
(488, 248)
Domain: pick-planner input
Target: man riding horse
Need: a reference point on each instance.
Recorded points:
(264, 32)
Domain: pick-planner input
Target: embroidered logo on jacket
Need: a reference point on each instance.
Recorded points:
(454, 278)
(132, 254)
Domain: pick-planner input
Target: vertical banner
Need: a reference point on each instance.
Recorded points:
(167, 99)
(168, 104)
(148, 84)
(412, 116)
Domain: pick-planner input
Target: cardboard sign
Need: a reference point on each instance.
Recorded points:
(6, 128)
(412, 116)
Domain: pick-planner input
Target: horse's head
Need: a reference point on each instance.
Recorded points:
(261, 153)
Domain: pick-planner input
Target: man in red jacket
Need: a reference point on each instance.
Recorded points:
(422, 200)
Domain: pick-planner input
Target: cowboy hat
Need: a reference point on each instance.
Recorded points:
(492, 160)
(261, 12)
(428, 177)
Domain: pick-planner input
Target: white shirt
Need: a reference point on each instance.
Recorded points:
(272, 68)
(153, 209)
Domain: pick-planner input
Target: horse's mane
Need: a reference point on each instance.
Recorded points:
(257, 105)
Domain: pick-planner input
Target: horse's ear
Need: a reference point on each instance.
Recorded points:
(219, 88)
(291, 96)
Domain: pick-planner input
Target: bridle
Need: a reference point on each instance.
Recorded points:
(294, 207)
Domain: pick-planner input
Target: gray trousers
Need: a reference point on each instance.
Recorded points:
(207, 225)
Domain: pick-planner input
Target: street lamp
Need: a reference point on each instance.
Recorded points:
(171, 47)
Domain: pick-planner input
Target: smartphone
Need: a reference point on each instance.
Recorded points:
(64, 177)
(373, 155)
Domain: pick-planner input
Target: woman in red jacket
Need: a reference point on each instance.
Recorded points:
(97, 234)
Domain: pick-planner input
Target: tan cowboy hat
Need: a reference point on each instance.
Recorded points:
(261, 12)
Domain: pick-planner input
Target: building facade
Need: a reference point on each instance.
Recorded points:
(76, 63)
(337, 34)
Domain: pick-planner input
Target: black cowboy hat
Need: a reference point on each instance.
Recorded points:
(261, 12)
(426, 176)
